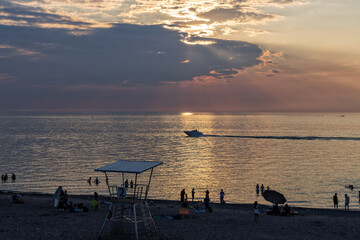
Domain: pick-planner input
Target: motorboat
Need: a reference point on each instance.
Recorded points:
(194, 133)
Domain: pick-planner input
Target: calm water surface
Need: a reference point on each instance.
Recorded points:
(307, 157)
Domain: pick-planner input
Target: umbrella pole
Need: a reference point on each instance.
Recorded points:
(107, 183)
(148, 186)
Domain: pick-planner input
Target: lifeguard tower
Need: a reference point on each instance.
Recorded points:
(127, 199)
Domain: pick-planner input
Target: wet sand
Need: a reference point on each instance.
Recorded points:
(37, 219)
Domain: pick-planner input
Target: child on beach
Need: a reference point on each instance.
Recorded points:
(222, 195)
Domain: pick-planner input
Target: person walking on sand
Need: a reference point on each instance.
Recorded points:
(257, 189)
(262, 189)
(256, 211)
(347, 201)
(182, 195)
(222, 195)
(336, 201)
(193, 194)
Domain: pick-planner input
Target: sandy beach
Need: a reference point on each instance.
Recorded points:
(37, 219)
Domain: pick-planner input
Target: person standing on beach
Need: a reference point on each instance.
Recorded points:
(256, 211)
(257, 189)
(193, 194)
(262, 189)
(336, 201)
(347, 202)
(207, 193)
(222, 195)
(182, 195)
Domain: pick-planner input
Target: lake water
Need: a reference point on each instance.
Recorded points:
(307, 157)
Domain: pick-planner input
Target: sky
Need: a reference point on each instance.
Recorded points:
(180, 55)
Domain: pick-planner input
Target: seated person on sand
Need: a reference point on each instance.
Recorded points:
(184, 204)
(287, 210)
(18, 198)
(95, 201)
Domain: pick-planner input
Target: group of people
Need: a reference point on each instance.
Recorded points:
(5, 177)
(258, 188)
(66, 204)
(127, 185)
(96, 181)
(347, 201)
(184, 198)
(275, 210)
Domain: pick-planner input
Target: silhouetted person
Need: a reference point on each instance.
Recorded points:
(131, 184)
(96, 181)
(257, 189)
(207, 193)
(193, 194)
(268, 188)
(262, 189)
(256, 211)
(2, 177)
(126, 183)
(5, 177)
(182, 195)
(95, 202)
(222, 195)
(207, 203)
(276, 209)
(336, 201)
(347, 202)
(13, 177)
(89, 181)
(287, 210)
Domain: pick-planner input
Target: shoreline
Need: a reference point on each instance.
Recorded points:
(227, 205)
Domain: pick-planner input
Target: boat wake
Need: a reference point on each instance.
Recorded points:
(290, 137)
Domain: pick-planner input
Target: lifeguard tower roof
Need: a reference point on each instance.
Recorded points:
(129, 166)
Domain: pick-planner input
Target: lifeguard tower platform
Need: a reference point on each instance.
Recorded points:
(128, 201)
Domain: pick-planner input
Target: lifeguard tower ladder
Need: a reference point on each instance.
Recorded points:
(126, 198)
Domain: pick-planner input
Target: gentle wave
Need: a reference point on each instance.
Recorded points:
(290, 137)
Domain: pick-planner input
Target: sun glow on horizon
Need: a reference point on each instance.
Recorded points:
(187, 113)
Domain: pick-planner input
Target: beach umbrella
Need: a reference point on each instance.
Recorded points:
(274, 197)
(56, 197)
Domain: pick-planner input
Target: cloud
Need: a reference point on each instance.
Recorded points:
(239, 15)
(125, 54)
(22, 15)
(200, 18)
